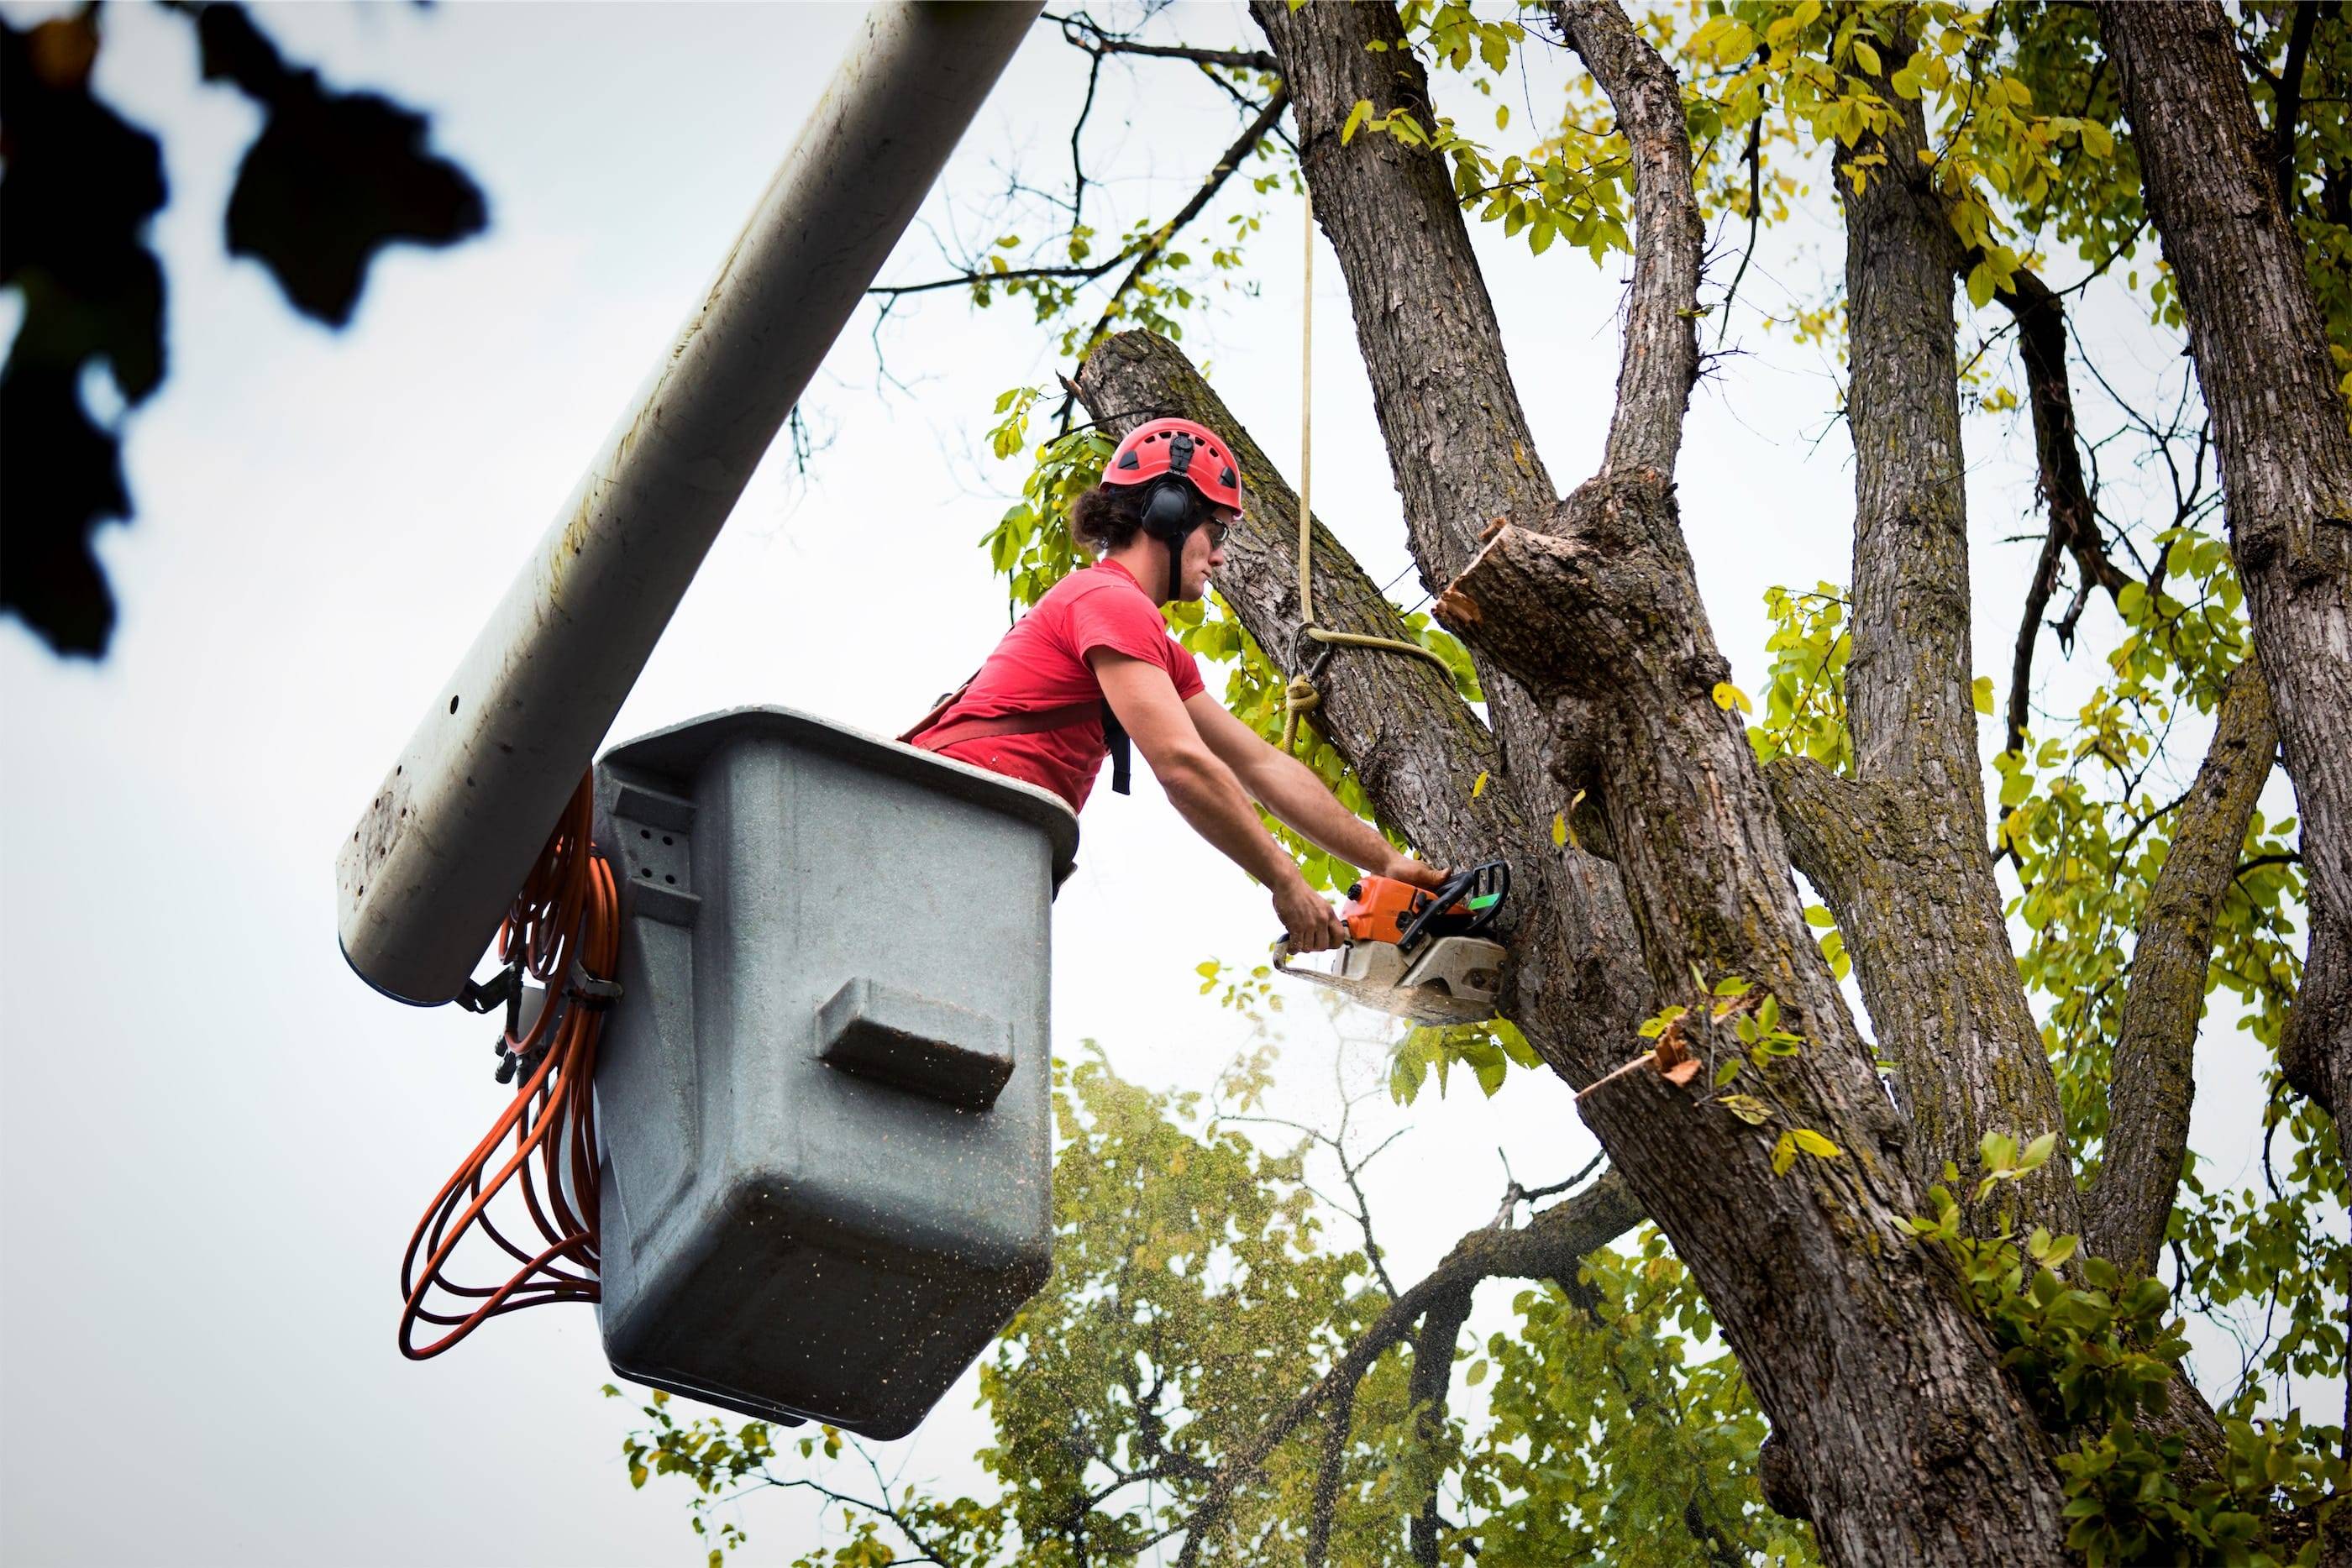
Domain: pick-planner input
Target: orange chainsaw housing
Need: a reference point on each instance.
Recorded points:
(1379, 908)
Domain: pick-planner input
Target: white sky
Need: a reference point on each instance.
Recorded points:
(216, 1139)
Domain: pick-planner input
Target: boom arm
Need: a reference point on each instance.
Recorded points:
(433, 863)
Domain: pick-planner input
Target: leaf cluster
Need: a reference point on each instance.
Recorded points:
(2093, 1352)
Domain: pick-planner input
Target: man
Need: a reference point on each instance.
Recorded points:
(1093, 666)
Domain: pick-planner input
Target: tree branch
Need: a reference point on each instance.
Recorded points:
(2074, 516)
(2289, 102)
(2151, 1082)
(1424, 321)
(1755, 160)
(1098, 43)
(2260, 343)
(1660, 355)
(1425, 1392)
(1329, 1472)
(1919, 905)
(1551, 1246)
(1254, 132)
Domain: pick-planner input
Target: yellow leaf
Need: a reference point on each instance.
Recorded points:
(1479, 787)
(1559, 830)
(1980, 690)
(1728, 696)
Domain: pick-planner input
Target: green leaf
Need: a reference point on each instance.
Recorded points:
(1980, 285)
(1355, 118)
(1813, 1144)
(1748, 1108)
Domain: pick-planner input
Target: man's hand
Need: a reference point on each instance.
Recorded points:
(1310, 923)
(1404, 868)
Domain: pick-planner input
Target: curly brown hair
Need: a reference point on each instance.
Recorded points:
(1108, 516)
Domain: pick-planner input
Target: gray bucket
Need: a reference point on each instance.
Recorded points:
(822, 1097)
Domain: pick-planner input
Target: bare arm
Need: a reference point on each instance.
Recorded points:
(1289, 788)
(1204, 790)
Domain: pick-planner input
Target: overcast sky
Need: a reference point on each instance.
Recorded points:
(216, 1140)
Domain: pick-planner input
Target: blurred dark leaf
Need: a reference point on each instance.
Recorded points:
(79, 186)
(332, 178)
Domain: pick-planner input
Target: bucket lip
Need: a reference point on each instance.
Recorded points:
(680, 748)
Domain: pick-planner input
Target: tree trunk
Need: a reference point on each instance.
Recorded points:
(2285, 455)
(1909, 1446)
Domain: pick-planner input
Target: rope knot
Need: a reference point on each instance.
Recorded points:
(1299, 696)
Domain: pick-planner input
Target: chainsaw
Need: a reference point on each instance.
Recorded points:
(1418, 954)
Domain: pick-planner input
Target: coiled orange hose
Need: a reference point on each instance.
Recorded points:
(564, 924)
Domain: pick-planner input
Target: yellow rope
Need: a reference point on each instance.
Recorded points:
(1300, 697)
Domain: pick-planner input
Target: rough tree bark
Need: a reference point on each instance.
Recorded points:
(1909, 1445)
(2260, 350)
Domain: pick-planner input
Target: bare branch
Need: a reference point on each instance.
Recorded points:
(1083, 32)
(1755, 160)
(1327, 1472)
(1432, 1376)
(2289, 99)
(2074, 514)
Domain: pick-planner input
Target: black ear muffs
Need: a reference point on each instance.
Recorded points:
(1167, 510)
(1172, 508)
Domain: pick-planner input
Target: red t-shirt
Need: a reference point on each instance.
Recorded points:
(1042, 663)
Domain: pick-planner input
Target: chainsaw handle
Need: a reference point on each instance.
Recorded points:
(1478, 880)
(1282, 955)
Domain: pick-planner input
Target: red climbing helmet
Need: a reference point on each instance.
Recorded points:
(1182, 448)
